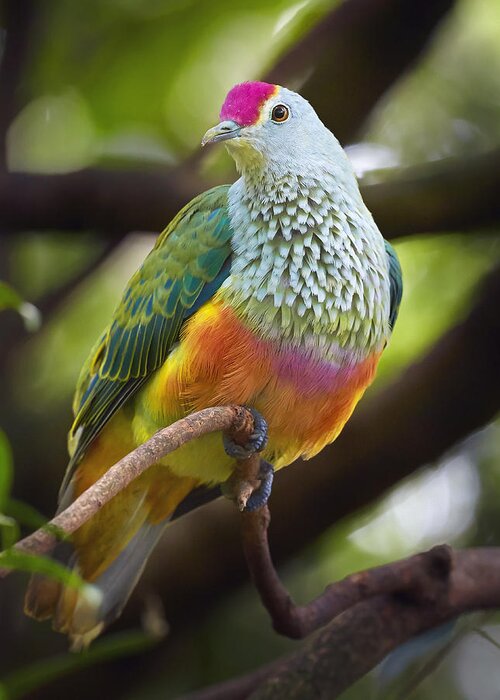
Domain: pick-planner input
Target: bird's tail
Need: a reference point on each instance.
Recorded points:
(109, 552)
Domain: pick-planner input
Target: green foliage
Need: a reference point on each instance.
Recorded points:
(29, 678)
(12, 510)
(142, 80)
(449, 104)
(10, 299)
(9, 532)
(35, 564)
(6, 470)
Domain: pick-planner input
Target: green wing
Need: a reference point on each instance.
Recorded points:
(396, 283)
(188, 264)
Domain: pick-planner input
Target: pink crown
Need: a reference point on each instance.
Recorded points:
(244, 101)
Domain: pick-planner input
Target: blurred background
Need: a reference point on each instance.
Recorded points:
(102, 107)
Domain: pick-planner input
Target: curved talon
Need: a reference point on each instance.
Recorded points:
(261, 495)
(255, 443)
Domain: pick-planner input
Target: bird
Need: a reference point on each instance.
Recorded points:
(277, 292)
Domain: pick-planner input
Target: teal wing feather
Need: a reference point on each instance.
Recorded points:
(188, 264)
(396, 283)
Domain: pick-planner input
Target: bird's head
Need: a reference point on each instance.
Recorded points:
(269, 126)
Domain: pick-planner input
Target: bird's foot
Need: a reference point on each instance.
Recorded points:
(249, 486)
(260, 496)
(250, 491)
(255, 443)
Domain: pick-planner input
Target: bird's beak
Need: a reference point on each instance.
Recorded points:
(222, 132)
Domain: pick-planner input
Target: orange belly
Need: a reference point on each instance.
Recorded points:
(306, 401)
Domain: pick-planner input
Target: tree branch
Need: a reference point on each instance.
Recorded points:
(388, 604)
(373, 612)
(236, 420)
(299, 621)
(456, 194)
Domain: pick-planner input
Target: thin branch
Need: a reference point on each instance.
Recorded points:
(427, 589)
(236, 420)
(299, 621)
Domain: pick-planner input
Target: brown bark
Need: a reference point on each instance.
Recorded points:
(235, 420)
(457, 194)
(427, 590)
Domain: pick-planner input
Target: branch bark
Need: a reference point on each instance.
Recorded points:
(414, 576)
(456, 194)
(373, 612)
(236, 420)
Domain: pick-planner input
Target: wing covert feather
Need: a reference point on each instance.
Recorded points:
(188, 264)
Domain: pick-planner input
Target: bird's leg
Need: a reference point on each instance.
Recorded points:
(249, 486)
(261, 495)
(255, 443)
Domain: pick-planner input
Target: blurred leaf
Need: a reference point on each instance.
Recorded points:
(10, 299)
(6, 469)
(53, 133)
(35, 564)
(25, 514)
(9, 531)
(26, 679)
(482, 633)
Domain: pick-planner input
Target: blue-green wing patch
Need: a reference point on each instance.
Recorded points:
(190, 261)
(396, 283)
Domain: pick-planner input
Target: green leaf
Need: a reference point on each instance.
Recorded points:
(29, 678)
(10, 299)
(6, 470)
(35, 564)
(24, 514)
(9, 531)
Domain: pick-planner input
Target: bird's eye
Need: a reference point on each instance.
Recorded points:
(280, 113)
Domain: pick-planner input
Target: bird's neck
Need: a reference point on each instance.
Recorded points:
(309, 263)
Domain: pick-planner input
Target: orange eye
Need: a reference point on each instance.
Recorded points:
(280, 113)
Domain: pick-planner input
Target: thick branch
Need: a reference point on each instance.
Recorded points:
(456, 194)
(234, 419)
(398, 601)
